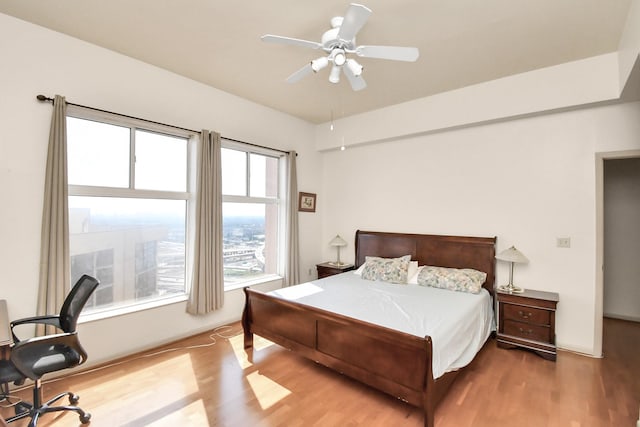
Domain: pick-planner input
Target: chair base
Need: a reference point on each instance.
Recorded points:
(35, 410)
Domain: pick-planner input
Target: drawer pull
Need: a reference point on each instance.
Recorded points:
(526, 331)
(525, 315)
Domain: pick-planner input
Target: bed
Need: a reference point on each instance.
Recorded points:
(394, 361)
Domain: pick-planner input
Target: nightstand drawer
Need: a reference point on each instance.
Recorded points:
(527, 314)
(527, 331)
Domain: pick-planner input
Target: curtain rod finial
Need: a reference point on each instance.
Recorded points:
(43, 98)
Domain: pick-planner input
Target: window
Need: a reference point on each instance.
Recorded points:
(128, 203)
(251, 213)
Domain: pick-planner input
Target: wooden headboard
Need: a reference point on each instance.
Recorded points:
(443, 251)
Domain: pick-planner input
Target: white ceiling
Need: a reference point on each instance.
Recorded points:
(461, 42)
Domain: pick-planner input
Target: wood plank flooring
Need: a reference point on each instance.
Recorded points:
(217, 385)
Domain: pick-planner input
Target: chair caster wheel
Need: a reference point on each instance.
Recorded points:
(84, 419)
(73, 399)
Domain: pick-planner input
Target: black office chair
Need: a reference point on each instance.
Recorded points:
(32, 358)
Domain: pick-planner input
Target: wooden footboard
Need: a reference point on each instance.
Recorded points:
(394, 362)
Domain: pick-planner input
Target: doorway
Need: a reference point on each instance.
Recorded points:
(617, 194)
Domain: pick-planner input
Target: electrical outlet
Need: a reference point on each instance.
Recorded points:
(563, 242)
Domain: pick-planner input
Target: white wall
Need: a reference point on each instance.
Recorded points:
(622, 238)
(526, 181)
(35, 60)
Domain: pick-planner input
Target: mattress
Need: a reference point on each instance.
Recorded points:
(458, 323)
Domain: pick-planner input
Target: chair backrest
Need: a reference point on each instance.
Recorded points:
(75, 301)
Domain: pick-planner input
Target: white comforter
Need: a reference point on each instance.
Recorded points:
(458, 323)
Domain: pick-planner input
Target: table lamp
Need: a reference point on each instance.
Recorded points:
(513, 256)
(338, 242)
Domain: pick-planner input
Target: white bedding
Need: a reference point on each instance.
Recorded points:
(458, 323)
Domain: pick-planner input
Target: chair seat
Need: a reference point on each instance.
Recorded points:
(9, 373)
(51, 359)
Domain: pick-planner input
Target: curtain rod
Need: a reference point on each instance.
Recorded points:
(44, 98)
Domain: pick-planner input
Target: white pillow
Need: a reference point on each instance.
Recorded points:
(413, 280)
(359, 270)
(413, 269)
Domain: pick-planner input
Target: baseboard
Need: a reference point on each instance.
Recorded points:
(622, 317)
(581, 351)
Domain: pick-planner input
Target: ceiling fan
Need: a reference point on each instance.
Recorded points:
(338, 43)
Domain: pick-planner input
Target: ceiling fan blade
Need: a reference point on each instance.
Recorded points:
(270, 38)
(409, 54)
(357, 82)
(298, 75)
(353, 21)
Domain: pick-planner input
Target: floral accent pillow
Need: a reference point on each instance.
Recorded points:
(393, 270)
(454, 279)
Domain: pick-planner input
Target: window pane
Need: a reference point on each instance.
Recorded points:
(161, 162)
(250, 241)
(264, 176)
(97, 153)
(135, 247)
(234, 172)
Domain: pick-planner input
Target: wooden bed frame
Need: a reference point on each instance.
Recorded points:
(394, 362)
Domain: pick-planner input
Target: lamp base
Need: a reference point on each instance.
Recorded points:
(510, 288)
(337, 263)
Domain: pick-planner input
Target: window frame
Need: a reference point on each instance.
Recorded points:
(278, 201)
(131, 192)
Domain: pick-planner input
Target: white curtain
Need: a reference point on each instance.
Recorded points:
(54, 245)
(207, 278)
(292, 250)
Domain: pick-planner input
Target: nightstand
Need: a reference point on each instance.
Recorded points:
(528, 320)
(327, 269)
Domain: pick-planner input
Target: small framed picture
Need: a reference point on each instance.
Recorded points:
(306, 202)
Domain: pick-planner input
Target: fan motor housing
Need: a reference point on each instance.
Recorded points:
(330, 38)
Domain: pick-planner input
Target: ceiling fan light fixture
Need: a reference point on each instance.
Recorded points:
(355, 67)
(339, 57)
(334, 76)
(319, 64)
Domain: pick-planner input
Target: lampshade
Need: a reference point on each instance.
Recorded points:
(334, 76)
(339, 58)
(337, 241)
(319, 64)
(356, 69)
(512, 255)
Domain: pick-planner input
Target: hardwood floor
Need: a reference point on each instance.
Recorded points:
(216, 385)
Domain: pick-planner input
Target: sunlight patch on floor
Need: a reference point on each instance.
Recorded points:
(267, 391)
(237, 345)
(163, 387)
(193, 414)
